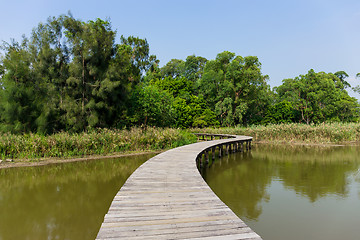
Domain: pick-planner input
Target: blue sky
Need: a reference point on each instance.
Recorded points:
(289, 37)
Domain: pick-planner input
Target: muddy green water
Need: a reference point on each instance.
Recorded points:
(62, 201)
(292, 192)
(282, 192)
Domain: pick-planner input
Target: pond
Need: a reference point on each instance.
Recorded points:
(61, 201)
(292, 192)
(282, 192)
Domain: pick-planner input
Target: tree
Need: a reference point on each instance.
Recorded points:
(193, 112)
(70, 75)
(341, 75)
(194, 67)
(235, 89)
(189, 110)
(282, 112)
(317, 97)
(19, 104)
(174, 68)
(50, 60)
(92, 50)
(102, 73)
(151, 106)
(177, 87)
(211, 83)
(139, 55)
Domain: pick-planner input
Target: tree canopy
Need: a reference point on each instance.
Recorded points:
(319, 97)
(71, 75)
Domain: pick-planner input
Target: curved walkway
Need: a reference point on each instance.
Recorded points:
(166, 198)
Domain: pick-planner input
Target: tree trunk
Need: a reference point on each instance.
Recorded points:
(83, 83)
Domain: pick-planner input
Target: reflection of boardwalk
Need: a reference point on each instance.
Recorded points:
(166, 198)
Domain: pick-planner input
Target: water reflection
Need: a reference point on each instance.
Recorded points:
(64, 201)
(279, 184)
(234, 180)
(312, 171)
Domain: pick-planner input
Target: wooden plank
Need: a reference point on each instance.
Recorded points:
(166, 198)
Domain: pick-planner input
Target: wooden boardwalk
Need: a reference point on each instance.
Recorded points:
(166, 198)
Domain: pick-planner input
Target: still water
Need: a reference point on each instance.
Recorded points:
(62, 201)
(292, 192)
(282, 192)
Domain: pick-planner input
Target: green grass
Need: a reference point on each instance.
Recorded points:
(94, 142)
(109, 141)
(327, 133)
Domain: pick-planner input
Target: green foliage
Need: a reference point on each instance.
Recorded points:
(140, 59)
(318, 98)
(92, 48)
(175, 68)
(282, 112)
(356, 89)
(235, 89)
(95, 141)
(194, 67)
(341, 75)
(295, 132)
(193, 112)
(19, 106)
(151, 106)
(72, 76)
(177, 87)
(205, 119)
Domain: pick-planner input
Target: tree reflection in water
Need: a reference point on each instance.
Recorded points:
(242, 180)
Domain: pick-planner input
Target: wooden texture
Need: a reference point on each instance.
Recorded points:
(166, 198)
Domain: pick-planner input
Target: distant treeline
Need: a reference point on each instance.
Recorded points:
(71, 75)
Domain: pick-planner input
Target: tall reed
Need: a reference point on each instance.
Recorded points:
(296, 133)
(106, 141)
(96, 141)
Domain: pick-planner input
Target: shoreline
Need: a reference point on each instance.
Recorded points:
(48, 161)
(343, 144)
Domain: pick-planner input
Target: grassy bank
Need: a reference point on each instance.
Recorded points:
(106, 141)
(297, 133)
(94, 142)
